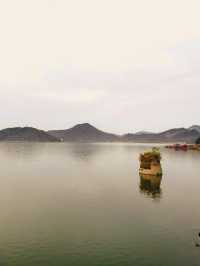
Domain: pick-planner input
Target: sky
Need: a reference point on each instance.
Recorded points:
(121, 65)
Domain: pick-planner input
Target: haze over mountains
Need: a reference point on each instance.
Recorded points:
(88, 133)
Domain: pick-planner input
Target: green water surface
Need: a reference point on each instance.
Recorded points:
(85, 204)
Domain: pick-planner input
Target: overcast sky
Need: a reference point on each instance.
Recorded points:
(121, 65)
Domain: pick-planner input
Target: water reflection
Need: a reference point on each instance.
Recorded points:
(150, 185)
(84, 151)
(25, 150)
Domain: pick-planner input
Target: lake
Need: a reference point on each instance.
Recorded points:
(85, 204)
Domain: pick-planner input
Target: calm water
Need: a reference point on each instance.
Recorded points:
(66, 204)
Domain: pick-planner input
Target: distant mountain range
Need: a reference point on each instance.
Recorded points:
(172, 135)
(88, 133)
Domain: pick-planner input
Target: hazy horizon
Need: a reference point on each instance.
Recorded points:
(122, 66)
(125, 132)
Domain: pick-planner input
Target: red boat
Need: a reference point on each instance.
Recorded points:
(177, 147)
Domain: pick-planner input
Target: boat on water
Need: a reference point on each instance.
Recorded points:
(184, 147)
(150, 163)
(177, 147)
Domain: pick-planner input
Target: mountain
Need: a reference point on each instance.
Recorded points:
(143, 132)
(173, 135)
(84, 133)
(195, 127)
(88, 133)
(26, 134)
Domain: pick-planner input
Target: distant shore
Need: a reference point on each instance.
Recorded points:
(86, 133)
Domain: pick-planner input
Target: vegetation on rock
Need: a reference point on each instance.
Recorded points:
(148, 157)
